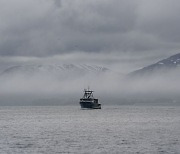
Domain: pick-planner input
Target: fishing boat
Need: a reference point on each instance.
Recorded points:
(88, 101)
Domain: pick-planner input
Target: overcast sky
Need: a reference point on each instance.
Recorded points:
(124, 32)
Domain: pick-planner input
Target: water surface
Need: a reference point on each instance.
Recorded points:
(68, 129)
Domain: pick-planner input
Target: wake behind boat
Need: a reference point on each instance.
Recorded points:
(88, 101)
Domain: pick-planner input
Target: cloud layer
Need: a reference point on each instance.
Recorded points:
(52, 27)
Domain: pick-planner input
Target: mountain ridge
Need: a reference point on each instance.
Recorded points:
(53, 69)
(163, 66)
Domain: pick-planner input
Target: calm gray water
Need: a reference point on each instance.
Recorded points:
(68, 129)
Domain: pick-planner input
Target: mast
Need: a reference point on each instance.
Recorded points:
(88, 94)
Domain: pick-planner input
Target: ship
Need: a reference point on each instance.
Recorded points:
(88, 101)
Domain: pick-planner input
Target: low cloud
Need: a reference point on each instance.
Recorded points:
(110, 87)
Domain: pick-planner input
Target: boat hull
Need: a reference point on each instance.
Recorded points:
(89, 104)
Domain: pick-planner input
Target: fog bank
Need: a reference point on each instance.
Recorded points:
(110, 87)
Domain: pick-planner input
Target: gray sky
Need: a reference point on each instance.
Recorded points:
(124, 34)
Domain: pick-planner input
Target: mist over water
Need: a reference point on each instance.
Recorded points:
(66, 87)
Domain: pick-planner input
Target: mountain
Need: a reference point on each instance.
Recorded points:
(53, 70)
(164, 66)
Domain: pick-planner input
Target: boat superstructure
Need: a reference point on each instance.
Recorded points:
(88, 101)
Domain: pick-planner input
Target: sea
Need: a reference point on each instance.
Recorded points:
(71, 130)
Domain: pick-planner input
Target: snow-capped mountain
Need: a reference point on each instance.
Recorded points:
(53, 69)
(163, 66)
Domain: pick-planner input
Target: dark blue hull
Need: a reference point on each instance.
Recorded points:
(89, 104)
